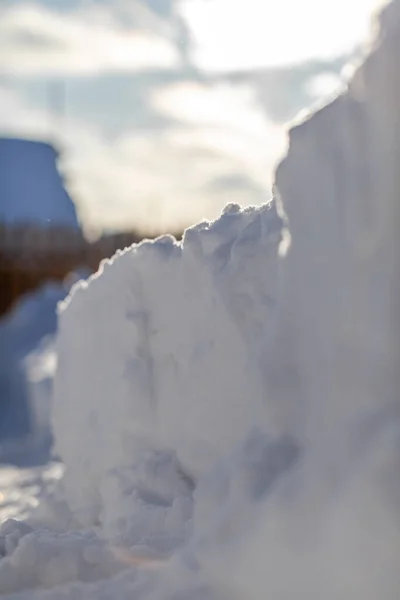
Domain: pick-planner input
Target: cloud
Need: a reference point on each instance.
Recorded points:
(245, 34)
(17, 119)
(184, 148)
(35, 41)
(165, 179)
(171, 179)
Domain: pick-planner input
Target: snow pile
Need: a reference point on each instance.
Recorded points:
(330, 529)
(45, 559)
(22, 488)
(229, 405)
(31, 188)
(174, 326)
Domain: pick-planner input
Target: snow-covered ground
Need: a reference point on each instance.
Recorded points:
(226, 409)
(27, 366)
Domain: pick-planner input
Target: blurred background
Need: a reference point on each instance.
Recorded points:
(168, 109)
(124, 119)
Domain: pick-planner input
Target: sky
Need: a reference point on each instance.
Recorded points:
(172, 108)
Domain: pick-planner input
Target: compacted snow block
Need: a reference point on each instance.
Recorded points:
(331, 529)
(162, 351)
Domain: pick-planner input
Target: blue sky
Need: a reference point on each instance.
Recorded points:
(173, 108)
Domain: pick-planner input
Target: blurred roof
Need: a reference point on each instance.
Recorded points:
(31, 187)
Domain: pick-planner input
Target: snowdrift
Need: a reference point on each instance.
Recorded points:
(227, 408)
(179, 332)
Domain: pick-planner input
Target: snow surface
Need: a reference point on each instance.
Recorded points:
(31, 188)
(26, 339)
(174, 326)
(227, 408)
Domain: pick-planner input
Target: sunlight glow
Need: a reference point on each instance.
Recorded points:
(243, 34)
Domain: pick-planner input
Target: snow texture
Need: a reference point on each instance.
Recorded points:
(227, 408)
(175, 326)
(31, 188)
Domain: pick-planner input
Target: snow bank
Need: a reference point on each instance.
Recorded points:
(45, 559)
(176, 378)
(231, 408)
(331, 528)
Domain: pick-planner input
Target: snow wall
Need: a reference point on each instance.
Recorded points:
(231, 403)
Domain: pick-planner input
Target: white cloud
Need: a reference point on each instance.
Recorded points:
(226, 148)
(228, 35)
(167, 179)
(242, 34)
(16, 119)
(227, 120)
(37, 41)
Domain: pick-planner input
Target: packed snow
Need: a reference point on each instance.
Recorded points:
(175, 325)
(226, 408)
